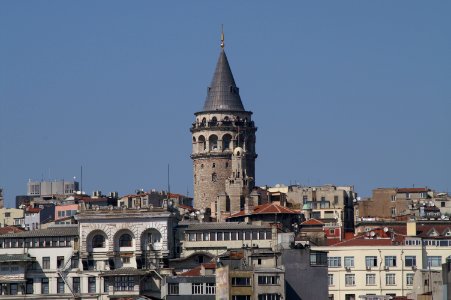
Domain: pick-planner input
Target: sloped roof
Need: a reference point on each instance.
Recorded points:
(223, 94)
(10, 229)
(312, 222)
(49, 232)
(268, 208)
(15, 257)
(124, 271)
(196, 270)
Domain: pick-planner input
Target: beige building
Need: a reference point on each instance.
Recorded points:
(11, 216)
(385, 261)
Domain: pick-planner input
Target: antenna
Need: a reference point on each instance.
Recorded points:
(81, 180)
(222, 36)
(169, 185)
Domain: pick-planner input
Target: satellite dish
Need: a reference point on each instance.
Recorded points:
(385, 229)
(372, 233)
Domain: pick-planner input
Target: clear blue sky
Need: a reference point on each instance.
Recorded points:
(344, 92)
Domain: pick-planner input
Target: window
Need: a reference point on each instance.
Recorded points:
(210, 288)
(173, 288)
(334, 262)
(91, 284)
(60, 286)
(98, 241)
(269, 297)
(124, 283)
(409, 278)
(241, 281)
(349, 279)
(46, 262)
(29, 286)
(393, 198)
(410, 261)
(370, 279)
(390, 261)
(125, 240)
(393, 211)
(125, 260)
(434, 261)
(74, 262)
(241, 297)
(59, 261)
(76, 284)
(267, 280)
(197, 288)
(7, 214)
(106, 285)
(330, 279)
(335, 199)
(44, 285)
(318, 258)
(13, 289)
(349, 296)
(349, 261)
(214, 177)
(390, 279)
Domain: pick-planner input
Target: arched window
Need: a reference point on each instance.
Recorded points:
(214, 121)
(226, 138)
(125, 240)
(201, 143)
(204, 122)
(214, 177)
(98, 241)
(213, 141)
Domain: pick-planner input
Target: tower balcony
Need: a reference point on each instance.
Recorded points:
(223, 126)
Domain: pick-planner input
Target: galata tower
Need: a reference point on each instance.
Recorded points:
(223, 138)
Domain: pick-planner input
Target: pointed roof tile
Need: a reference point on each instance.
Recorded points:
(223, 94)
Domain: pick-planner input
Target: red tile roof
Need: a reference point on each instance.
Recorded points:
(312, 222)
(268, 208)
(10, 229)
(33, 210)
(196, 270)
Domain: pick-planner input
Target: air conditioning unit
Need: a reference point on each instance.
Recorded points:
(414, 268)
(386, 268)
(348, 269)
(368, 268)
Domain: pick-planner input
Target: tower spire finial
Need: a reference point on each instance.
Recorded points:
(222, 36)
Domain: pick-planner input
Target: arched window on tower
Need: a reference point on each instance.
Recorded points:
(227, 204)
(226, 139)
(213, 141)
(201, 144)
(214, 177)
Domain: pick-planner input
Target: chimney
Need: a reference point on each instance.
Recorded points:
(411, 227)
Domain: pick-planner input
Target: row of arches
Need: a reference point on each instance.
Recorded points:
(213, 143)
(98, 241)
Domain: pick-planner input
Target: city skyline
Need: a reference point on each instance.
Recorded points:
(114, 89)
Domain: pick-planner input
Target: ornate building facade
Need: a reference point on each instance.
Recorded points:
(223, 139)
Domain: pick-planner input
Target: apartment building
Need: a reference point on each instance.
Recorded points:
(385, 261)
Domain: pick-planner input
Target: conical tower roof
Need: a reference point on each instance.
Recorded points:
(223, 94)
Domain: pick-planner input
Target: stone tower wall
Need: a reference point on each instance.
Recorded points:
(205, 153)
